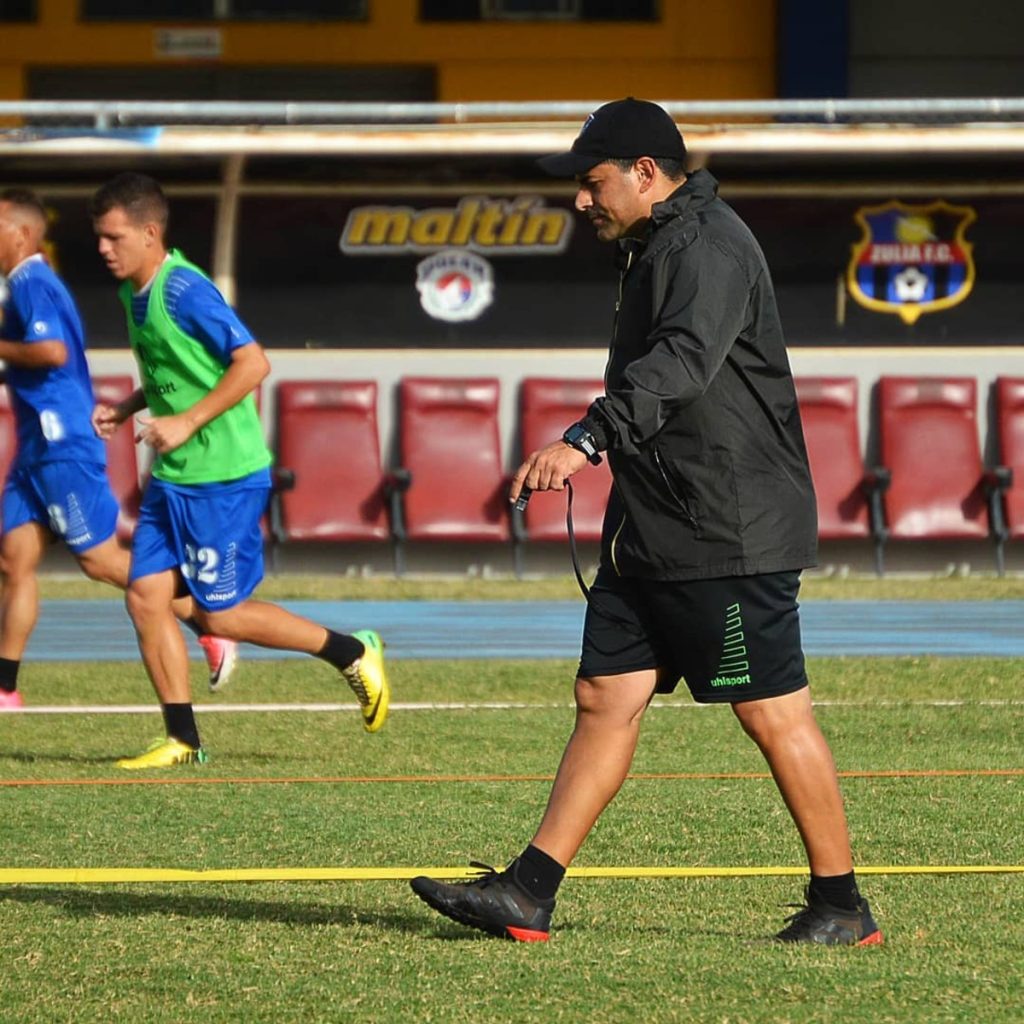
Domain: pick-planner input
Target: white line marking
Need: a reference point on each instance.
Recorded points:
(143, 709)
(147, 709)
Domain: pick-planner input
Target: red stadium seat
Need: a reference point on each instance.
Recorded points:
(451, 476)
(828, 409)
(929, 444)
(327, 437)
(122, 463)
(8, 434)
(1010, 420)
(547, 407)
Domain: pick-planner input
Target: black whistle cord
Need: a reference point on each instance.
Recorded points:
(585, 590)
(591, 600)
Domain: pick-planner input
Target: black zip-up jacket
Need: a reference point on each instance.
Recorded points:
(699, 419)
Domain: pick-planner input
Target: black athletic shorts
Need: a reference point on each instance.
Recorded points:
(731, 639)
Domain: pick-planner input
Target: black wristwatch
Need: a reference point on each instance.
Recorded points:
(578, 437)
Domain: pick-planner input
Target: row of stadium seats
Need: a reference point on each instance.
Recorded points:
(451, 484)
(931, 482)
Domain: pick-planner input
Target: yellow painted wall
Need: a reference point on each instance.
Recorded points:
(699, 50)
(11, 84)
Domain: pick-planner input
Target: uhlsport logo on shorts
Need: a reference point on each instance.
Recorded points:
(455, 285)
(733, 668)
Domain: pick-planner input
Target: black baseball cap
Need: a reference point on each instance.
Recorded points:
(619, 130)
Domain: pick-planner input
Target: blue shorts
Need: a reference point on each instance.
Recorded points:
(210, 533)
(71, 499)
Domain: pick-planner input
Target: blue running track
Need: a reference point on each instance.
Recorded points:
(101, 630)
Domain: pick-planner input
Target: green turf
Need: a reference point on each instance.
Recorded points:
(623, 950)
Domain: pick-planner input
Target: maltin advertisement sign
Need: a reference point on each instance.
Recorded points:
(457, 282)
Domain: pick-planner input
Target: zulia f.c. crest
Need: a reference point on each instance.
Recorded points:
(912, 258)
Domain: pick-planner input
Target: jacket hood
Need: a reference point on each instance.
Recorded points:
(699, 189)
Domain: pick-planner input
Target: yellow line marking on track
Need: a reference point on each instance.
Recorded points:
(243, 780)
(107, 876)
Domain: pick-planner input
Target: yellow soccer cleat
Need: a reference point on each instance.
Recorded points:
(369, 681)
(165, 753)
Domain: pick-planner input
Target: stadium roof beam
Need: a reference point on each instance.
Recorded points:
(703, 141)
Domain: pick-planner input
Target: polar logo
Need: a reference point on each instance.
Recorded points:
(455, 285)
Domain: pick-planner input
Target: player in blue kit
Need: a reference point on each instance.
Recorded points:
(57, 484)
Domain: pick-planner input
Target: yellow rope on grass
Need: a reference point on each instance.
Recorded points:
(118, 876)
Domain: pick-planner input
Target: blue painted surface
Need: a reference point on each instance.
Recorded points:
(813, 48)
(85, 630)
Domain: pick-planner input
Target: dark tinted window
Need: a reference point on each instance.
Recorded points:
(152, 10)
(584, 10)
(449, 10)
(323, 10)
(205, 10)
(17, 10)
(527, 9)
(620, 10)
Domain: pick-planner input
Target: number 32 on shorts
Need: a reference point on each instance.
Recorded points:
(201, 564)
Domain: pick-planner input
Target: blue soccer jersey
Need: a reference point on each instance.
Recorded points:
(196, 305)
(52, 405)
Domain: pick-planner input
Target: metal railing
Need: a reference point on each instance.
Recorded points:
(110, 114)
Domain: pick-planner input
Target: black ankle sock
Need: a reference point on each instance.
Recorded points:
(180, 723)
(341, 649)
(194, 626)
(838, 890)
(9, 674)
(539, 874)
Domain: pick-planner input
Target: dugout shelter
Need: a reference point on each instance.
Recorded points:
(388, 241)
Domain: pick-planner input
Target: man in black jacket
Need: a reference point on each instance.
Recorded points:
(711, 518)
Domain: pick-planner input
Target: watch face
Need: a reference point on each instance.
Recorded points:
(578, 437)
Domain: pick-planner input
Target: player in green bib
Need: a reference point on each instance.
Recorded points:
(178, 371)
(199, 525)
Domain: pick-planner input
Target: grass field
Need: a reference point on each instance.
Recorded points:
(283, 587)
(288, 789)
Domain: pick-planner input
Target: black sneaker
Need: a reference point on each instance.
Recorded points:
(827, 925)
(495, 903)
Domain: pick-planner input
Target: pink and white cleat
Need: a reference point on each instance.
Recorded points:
(222, 657)
(11, 701)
